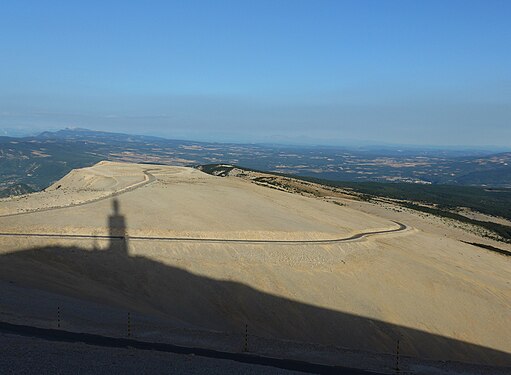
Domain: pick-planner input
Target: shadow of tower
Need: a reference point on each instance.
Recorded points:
(117, 231)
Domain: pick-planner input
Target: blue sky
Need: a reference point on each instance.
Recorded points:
(416, 72)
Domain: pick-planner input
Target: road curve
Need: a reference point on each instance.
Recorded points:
(401, 227)
(149, 179)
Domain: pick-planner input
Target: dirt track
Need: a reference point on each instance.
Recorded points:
(401, 227)
(149, 178)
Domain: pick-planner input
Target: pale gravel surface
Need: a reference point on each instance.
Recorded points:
(184, 202)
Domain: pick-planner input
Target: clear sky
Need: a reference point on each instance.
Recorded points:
(417, 72)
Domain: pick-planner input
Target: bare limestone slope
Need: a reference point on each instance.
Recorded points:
(344, 303)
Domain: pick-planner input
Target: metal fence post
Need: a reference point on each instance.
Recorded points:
(129, 324)
(246, 338)
(397, 357)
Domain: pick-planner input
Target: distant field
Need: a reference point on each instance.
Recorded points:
(33, 163)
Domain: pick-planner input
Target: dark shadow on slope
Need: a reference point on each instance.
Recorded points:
(114, 277)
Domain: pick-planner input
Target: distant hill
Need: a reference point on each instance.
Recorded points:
(33, 163)
(86, 134)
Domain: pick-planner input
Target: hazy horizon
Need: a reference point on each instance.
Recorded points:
(275, 140)
(434, 73)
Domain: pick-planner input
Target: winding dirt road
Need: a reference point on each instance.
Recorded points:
(148, 178)
(401, 227)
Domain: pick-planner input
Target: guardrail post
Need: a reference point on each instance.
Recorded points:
(397, 357)
(245, 349)
(129, 324)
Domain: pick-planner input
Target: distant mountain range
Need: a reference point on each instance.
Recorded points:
(32, 163)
